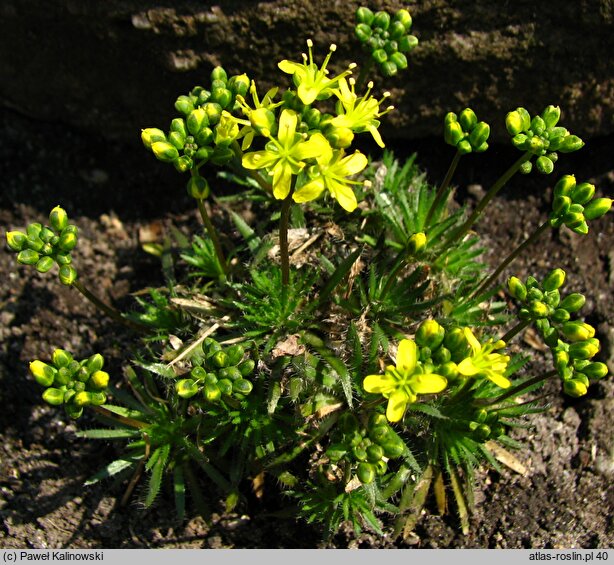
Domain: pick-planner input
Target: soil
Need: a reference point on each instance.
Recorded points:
(111, 191)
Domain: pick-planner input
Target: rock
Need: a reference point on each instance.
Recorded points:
(115, 67)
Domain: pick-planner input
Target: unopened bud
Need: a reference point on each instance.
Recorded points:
(43, 373)
(67, 275)
(464, 147)
(28, 257)
(577, 331)
(538, 126)
(584, 349)
(67, 242)
(399, 60)
(16, 240)
(525, 168)
(61, 358)
(570, 143)
(551, 116)
(58, 218)
(517, 288)
(597, 208)
(595, 370)
(544, 165)
(364, 15)
(164, 151)
(184, 105)
(219, 74)
(479, 135)
(430, 334)
(417, 243)
(538, 309)
(453, 133)
(44, 264)
(554, 280)
(186, 388)
(583, 193)
(468, 119)
(575, 388)
(99, 380)
(198, 188)
(150, 135)
(53, 396)
(407, 43)
(514, 123)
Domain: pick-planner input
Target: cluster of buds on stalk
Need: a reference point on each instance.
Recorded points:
(217, 372)
(366, 449)
(73, 383)
(386, 39)
(572, 342)
(465, 132)
(540, 136)
(46, 246)
(574, 205)
(201, 135)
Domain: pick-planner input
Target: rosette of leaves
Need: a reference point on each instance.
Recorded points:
(386, 38)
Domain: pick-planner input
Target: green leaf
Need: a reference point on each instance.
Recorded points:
(249, 235)
(179, 492)
(427, 409)
(100, 433)
(155, 480)
(111, 469)
(340, 273)
(160, 369)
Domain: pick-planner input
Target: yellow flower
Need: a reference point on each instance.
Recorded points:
(359, 113)
(402, 384)
(284, 156)
(331, 172)
(312, 81)
(484, 363)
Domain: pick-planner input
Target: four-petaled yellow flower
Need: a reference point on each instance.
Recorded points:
(359, 113)
(402, 384)
(483, 362)
(284, 156)
(331, 173)
(312, 82)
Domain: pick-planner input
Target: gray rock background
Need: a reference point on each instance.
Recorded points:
(116, 66)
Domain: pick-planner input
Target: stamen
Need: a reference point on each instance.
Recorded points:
(333, 47)
(352, 66)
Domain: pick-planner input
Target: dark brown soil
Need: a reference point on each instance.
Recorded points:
(111, 190)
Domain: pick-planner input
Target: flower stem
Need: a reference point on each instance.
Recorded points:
(266, 186)
(108, 310)
(494, 189)
(284, 254)
(212, 234)
(526, 243)
(364, 71)
(442, 189)
(515, 330)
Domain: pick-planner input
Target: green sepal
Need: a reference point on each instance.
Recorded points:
(184, 105)
(525, 168)
(467, 119)
(42, 373)
(381, 20)
(570, 144)
(517, 289)
(479, 135)
(212, 392)
(404, 17)
(430, 334)
(218, 73)
(58, 218)
(544, 165)
(61, 358)
(242, 386)
(44, 264)
(53, 396)
(149, 136)
(164, 151)
(28, 257)
(573, 302)
(584, 349)
(365, 473)
(186, 388)
(554, 280)
(407, 43)
(16, 240)
(67, 275)
(583, 193)
(399, 60)
(538, 126)
(595, 370)
(198, 187)
(364, 15)
(574, 388)
(597, 208)
(551, 116)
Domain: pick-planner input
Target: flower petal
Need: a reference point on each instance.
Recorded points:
(343, 194)
(282, 175)
(498, 379)
(259, 159)
(379, 384)
(376, 135)
(351, 164)
(316, 145)
(429, 383)
(287, 128)
(407, 356)
(475, 345)
(467, 368)
(309, 191)
(397, 403)
(290, 67)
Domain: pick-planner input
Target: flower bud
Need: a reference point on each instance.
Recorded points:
(564, 186)
(150, 135)
(583, 192)
(464, 147)
(53, 396)
(561, 205)
(404, 17)
(196, 120)
(525, 168)
(597, 208)
(407, 43)
(551, 116)
(364, 15)
(399, 60)
(380, 56)
(595, 370)
(186, 388)
(397, 30)
(58, 219)
(99, 380)
(176, 139)
(516, 288)
(544, 165)
(468, 119)
(44, 264)
(68, 241)
(214, 113)
(538, 309)
(417, 243)
(381, 20)
(430, 334)
(479, 135)
(239, 84)
(63, 259)
(61, 358)
(339, 137)
(212, 393)
(198, 188)
(67, 275)
(573, 302)
(535, 145)
(46, 235)
(575, 388)
(577, 331)
(242, 386)
(16, 240)
(551, 337)
(515, 123)
(28, 257)
(222, 96)
(164, 151)
(365, 473)
(570, 143)
(219, 74)
(520, 141)
(82, 398)
(554, 280)
(184, 105)
(584, 349)
(538, 125)
(561, 360)
(453, 133)
(560, 315)
(42, 373)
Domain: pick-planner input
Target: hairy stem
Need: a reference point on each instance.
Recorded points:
(284, 253)
(494, 189)
(526, 243)
(108, 310)
(364, 72)
(212, 234)
(442, 189)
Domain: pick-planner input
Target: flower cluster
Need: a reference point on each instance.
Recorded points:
(367, 448)
(386, 39)
(571, 342)
(574, 205)
(45, 246)
(540, 136)
(73, 383)
(465, 132)
(425, 366)
(217, 372)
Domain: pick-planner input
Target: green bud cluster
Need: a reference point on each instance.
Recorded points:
(201, 134)
(46, 246)
(74, 384)
(540, 136)
(571, 342)
(365, 448)
(217, 372)
(574, 204)
(465, 132)
(386, 39)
